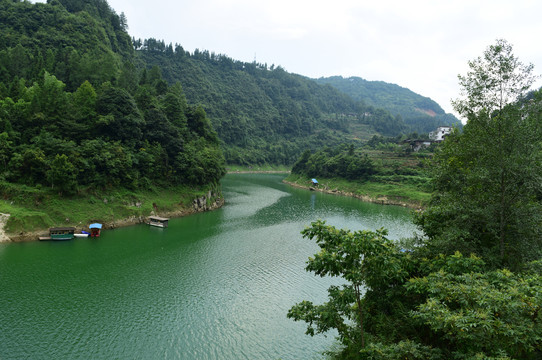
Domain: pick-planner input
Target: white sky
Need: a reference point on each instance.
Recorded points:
(418, 44)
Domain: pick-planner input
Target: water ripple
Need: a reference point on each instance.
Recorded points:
(212, 286)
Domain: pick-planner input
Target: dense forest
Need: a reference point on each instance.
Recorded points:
(76, 114)
(420, 114)
(264, 114)
(340, 162)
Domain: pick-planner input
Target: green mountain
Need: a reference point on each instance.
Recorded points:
(261, 114)
(264, 114)
(420, 113)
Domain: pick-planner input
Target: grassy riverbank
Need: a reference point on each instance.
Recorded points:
(258, 169)
(34, 210)
(404, 191)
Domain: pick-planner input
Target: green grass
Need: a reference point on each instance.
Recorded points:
(258, 168)
(404, 192)
(37, 209)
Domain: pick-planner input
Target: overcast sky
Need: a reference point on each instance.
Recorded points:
(418, 44)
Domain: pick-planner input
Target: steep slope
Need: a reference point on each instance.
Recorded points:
(76, 116)
(420, 113)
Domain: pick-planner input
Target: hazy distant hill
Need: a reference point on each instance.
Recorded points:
(420, 113)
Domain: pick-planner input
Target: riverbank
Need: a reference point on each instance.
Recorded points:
(26, 217)
(385, 194)
(259, 172)
(263, 169)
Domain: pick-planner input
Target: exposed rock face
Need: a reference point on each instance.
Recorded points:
(207, 202)
(3, 219)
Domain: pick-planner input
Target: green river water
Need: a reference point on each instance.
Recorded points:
(215, 285)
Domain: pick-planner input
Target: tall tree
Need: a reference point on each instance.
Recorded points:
(487, 179)
(62, 174)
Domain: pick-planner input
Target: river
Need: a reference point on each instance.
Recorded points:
(214, 285)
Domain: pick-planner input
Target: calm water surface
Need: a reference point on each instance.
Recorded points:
(216, 285)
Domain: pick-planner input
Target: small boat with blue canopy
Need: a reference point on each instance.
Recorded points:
(95, 229)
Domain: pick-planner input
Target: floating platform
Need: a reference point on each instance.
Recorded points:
(158, 221)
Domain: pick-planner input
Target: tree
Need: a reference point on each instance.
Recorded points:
(62, 174)
(494, 314)
(123, 21)
(300, 165)
(486, 179)
(5, 150)
(408, 304)
(494, 81)
(121, 118)
(364, 259)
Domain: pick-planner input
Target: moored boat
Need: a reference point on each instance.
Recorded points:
(61, 233)
(95, 229)
(158, 221)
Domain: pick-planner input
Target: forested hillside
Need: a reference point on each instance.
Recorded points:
(76, 114)
(420, 114)
(262, 113)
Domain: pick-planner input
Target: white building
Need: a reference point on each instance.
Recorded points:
(440, 133)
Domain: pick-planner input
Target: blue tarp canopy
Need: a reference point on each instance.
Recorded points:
(95, 226)
(315, 181)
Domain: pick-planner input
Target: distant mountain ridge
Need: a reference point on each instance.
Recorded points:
(418, 112)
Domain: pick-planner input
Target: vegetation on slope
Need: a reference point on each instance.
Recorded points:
(385, 170)
(420, 114)
(78, 118)
(262, 113)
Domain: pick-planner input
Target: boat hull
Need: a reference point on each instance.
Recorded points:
(157, 224)
(63, 237)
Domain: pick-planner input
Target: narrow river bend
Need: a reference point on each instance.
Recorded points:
(215, 285)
